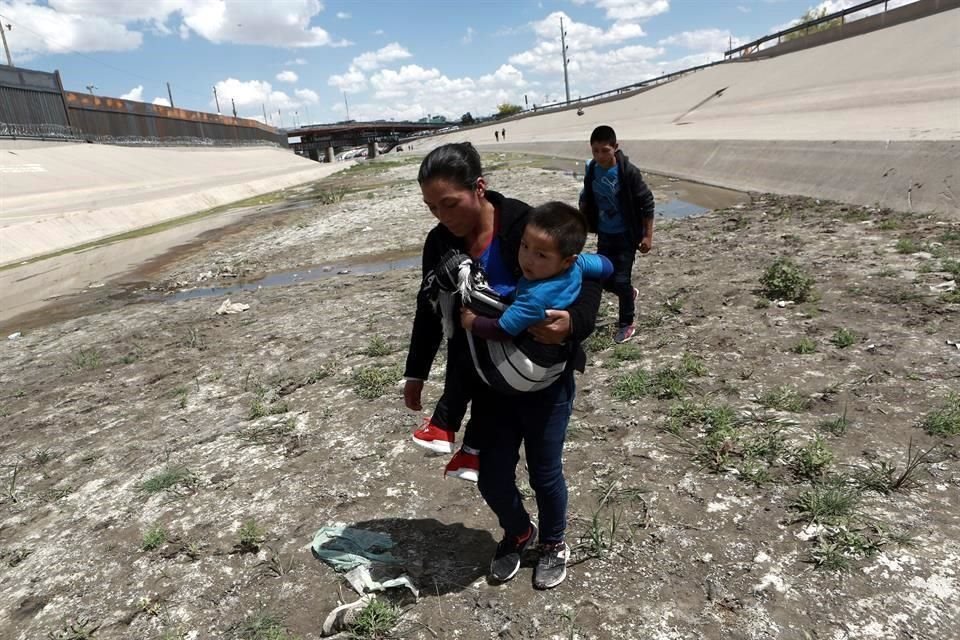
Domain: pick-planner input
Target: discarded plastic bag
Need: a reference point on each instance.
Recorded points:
(228, 307)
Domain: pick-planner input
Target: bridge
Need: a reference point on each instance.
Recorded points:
(329, 138)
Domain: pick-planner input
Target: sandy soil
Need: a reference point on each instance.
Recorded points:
(164, 468)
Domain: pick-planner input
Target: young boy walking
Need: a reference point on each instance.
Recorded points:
(619, 208)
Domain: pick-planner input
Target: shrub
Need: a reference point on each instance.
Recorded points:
(784, 280)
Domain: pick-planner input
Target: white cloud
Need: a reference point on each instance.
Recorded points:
(287, 76)
(743, 9)
(704, 40)
(378, 32)
(296, 61)
(630, 9)
(583, 41)
(352, 81)
(43, 30)
(355, 78)
(63, 26)
(307, 95)
(468, 36)
(163, 102)
(343, 15)
(374, 59)
(259, 94)
(135, 94)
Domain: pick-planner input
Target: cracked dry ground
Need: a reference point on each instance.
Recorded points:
(722, 485)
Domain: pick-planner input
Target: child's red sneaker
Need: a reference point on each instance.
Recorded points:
(430, 436)
(463, 465)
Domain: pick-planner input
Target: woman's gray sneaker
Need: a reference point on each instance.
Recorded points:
(506, 561)
(552, 566)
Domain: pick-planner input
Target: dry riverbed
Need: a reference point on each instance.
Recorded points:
(749, 467)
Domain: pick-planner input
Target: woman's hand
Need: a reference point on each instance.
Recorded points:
(412, 390)
(466, 318)
(555, 329)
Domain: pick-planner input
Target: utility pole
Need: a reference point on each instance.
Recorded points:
(265, 121)
(308, 113)
(234, 107)
(170, 95)
(3, 29)
(216, 99)
(346, 105)
(280, 116)
(563, 48)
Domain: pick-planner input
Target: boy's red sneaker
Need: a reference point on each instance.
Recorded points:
(430, 436)
(463, 465)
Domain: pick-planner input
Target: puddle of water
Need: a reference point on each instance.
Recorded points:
(284, 278)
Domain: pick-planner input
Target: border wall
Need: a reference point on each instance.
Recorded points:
(33, 104)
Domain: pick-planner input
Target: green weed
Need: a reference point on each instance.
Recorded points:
(600, 340)
(843, 338)
(812, 460)
(377, 347)
(829, 503)
(265, 404)
(632, 385)
(375, 622)
(805, 346)
(251, 536)
(371, 382)
(263, 626)
(944, 421)
(79, 629)
(906, 245)
(153, 538)
(693, 365)
(784, 398)
(626, 352)
(838, 426)
(784, 280)
(87, 359)
(168, 479)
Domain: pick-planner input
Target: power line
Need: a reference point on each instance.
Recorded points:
(68, 50)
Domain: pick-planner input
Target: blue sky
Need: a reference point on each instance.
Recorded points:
(400, 59)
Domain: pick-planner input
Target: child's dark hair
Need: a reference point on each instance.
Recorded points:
(458, 162)
(565, 224)
(604, 135)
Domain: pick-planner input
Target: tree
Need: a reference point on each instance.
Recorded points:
(810, 16)
(467, 119)
(507, 109)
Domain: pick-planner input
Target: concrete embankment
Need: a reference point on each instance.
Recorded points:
(873, 119)
(56, 196)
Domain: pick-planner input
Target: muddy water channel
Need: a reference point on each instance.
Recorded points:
(115, 272)
(749, 467)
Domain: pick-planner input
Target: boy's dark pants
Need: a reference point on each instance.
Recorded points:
(458, 384)
(621, 252)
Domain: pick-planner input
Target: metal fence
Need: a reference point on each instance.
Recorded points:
(837, 22)
(33, 104)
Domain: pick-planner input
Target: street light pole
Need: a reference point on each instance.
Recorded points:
(3, 29)
(90, 88)
(563, 49)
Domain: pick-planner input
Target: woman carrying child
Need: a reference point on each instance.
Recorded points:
(489, 227)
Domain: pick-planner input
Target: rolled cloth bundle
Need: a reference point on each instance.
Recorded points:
(517, 366)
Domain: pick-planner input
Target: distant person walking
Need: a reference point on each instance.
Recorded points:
(503, 134)
(619, 207)
(496, 135)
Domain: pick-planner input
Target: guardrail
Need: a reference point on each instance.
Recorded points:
(753, 47)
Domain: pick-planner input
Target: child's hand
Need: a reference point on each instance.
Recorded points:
(466, 318)
(645, 245)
